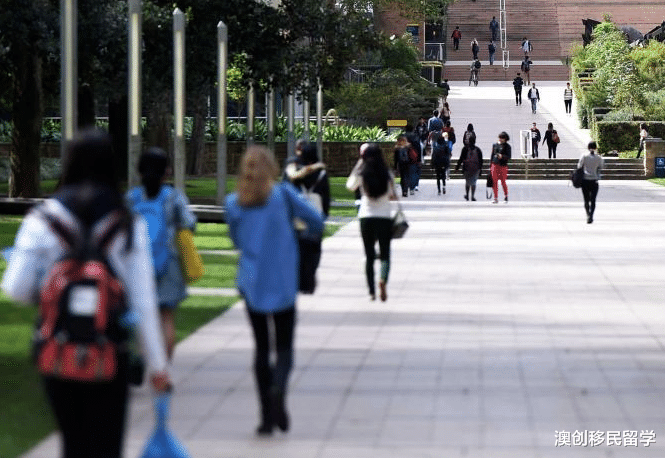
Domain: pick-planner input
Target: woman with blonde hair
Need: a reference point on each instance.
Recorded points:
(260, 217)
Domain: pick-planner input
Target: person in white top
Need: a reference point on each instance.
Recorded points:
(643, 137)
(91, 415)
(592, 163)
(377, 188)
(568, 98)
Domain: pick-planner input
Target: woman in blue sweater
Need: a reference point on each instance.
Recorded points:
(260, 218)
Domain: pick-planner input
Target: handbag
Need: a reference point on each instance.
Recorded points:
(489, 190)
(191, 263)
(577, 177)
(163, 443)
(399, 224)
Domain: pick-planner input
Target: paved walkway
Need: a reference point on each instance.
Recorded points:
(504, 324)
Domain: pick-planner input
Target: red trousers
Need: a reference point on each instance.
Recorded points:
(499, 172)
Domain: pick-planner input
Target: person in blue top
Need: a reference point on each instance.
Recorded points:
(260, 218)
(166, 211)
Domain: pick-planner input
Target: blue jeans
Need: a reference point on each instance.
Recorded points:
(415, 170)
(533, 104)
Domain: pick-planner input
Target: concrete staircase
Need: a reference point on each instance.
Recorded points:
(555, 169)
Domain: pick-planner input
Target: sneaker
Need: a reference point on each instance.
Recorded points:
(383, 294)
(589, 219)
(444, 189)
(404, 194)
(473, 199)
(495, 201)
(505, 199)
(412, 192)
(439, 193)
(416, 188)
(466, 197)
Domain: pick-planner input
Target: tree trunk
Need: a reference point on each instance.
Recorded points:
(196, 151)
(158, 131)
(27, 123)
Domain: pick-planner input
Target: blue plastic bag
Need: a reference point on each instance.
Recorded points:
(162, 443)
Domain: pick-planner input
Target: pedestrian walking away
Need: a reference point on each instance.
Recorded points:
(55, 262)
(491, 49)
(310, 178)
(525, 66)
(422, 132)
(475, 48)
(535, 138)
(456, 36)
(377, 187)
(469, 135)
(260, 217)
(166, 211)
(552, 139)
(450, 130)
(643, 137)
(471, 161)
(568, 98)
(402, 163)
(494, 29)
(445, 113)
(434, 123)
(416, 157)
(517, 85)
(534, 96)
(501, 154)
(440, 160)
(445, 89)
(474, 70)
(592, 163)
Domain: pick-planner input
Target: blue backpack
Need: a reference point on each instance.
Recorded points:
(158, 213)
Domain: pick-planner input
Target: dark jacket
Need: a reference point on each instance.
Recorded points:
(440, 155)
(518, 82)
(462, 161)
(317, 182)
(501, 148)
(548, 137)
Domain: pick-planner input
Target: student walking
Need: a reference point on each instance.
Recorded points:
(525, 66)
(260, 217)
(310, 177)
(643, 138)
(568, 98)
(552, 139)
(471, 160)
(445, 113)
(491, 49)
(494, 29)
(592, 163)
(440, 160)
(456, 36)
(526, 46)
(402, 163)
(535, 138)
(166, 212)
(518, 82)
(501, 154)
(475, 49)
(372, 177)
(534, 96)
(90, 412)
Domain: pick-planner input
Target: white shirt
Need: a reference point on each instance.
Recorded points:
(37, 248)
(379, 207)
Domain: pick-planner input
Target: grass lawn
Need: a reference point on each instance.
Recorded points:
(660, 181)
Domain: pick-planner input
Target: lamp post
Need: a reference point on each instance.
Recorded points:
(271, 119)
(134, 96)
(179, 99)
(68, 73)
(222, 57)
(251, 104)
(319, 120)
(290, 131)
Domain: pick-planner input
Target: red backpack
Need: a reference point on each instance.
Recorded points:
(79, 335)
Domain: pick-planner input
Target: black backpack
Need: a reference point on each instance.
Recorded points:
(477, 64)
(472, 161)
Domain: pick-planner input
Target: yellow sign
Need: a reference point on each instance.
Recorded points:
(396, 123)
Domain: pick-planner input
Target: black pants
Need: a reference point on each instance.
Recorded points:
(534, 148)
(518, 95)
(272, 379)
(373, 229)
(551, 150)
(404, 177)
(440, 177)
(456, 43)
(590, 191)
(90, 416)
(310, 257)
(568, 104)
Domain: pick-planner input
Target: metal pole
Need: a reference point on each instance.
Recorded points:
(68, 73)
(305, 114)
(271, 119)
(134, 89)
(222, 50)
(251, 96)
(290, 131)
(319, 121)
(179, 155)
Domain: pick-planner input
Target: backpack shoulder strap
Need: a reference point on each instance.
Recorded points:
(68, 230)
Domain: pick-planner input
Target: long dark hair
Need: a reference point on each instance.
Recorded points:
(152, 167)
(90, 182)
(375, 172)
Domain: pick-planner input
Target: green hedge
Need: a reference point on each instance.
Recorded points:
(623, 136)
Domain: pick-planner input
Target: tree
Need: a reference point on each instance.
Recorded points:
(28, 41)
